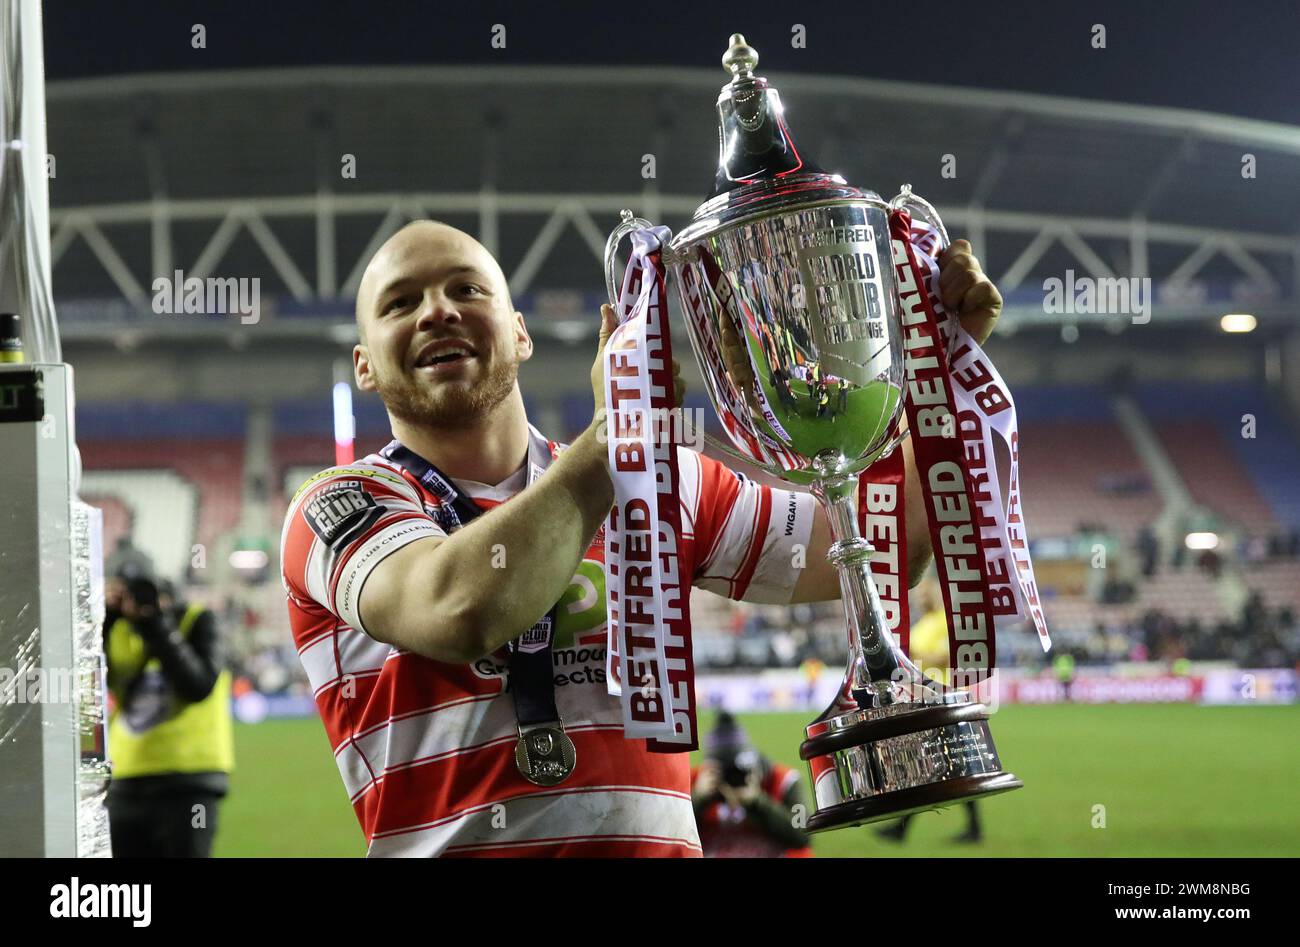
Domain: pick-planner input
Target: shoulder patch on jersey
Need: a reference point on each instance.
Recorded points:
(373, 472)
(342, 512)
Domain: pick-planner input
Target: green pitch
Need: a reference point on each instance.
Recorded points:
(1173, 781)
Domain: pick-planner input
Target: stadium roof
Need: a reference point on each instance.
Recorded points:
(188, 147)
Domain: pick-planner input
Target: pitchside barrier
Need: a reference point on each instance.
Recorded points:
(781, 690)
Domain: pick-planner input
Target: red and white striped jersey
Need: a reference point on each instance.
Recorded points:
(426, 748)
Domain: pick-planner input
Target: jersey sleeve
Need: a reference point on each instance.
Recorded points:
(341, 524)
(745, 533)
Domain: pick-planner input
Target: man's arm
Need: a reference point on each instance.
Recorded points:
(442, 598)
(192, 664)
(775, 818)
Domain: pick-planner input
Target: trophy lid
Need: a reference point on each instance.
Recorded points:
(754, 143)
(760, 167)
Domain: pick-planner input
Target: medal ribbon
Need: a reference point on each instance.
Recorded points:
(531, 672)
(649, 663)
(883, 523)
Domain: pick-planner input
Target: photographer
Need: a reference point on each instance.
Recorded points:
(745, 803)
(170, 736)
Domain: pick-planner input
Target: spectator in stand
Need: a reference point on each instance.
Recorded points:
(1148, 547)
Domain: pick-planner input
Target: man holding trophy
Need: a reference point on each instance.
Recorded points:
(511, 675)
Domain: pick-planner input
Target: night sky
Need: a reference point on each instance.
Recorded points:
(1238, 58)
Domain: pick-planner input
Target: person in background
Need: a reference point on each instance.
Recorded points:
(814, 378)
(1063, 668)
(745, 804)
(128, 560)
(170, 736)
(929, 651)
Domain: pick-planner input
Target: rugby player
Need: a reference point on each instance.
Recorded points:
(423, 579)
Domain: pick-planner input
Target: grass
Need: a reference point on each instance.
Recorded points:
(1175, 780)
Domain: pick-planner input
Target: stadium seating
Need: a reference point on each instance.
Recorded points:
(162, 509)
(1077, 472)
(1214, 475)
(1250, 480)
(1278, 582)
(175, 470)
(1183, 594)
(192, 487)
(183, 484)
(118, 517)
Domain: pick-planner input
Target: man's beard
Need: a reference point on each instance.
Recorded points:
(452, 404)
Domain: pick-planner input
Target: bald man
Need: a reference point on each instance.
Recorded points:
(447, 593)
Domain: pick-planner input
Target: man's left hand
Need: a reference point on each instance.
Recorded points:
(967, 291)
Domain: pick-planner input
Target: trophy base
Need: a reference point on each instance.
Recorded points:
(901, 802)
(883, 763)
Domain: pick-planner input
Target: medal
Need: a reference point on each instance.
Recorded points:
(544, 754)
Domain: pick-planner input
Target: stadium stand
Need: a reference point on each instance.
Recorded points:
(1249, 480)
(1085, 483)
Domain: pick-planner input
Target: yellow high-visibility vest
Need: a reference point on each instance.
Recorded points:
(928, 646)
(190, 737)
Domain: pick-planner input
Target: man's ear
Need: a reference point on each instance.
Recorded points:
(523, 341)
(361, 368)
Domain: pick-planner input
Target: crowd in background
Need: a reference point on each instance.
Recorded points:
(732, 636)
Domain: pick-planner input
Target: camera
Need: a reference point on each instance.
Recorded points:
(735, 772)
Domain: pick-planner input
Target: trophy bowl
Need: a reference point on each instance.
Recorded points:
(786, 280)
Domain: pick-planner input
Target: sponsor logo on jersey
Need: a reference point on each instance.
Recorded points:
(584, 664)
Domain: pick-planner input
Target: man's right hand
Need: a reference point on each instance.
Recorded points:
(608, 323)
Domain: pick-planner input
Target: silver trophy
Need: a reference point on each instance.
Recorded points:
(787, 285)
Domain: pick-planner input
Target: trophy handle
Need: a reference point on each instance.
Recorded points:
(626, 225)
(918, 206)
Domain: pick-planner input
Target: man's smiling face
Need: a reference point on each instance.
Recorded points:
(440, 340)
